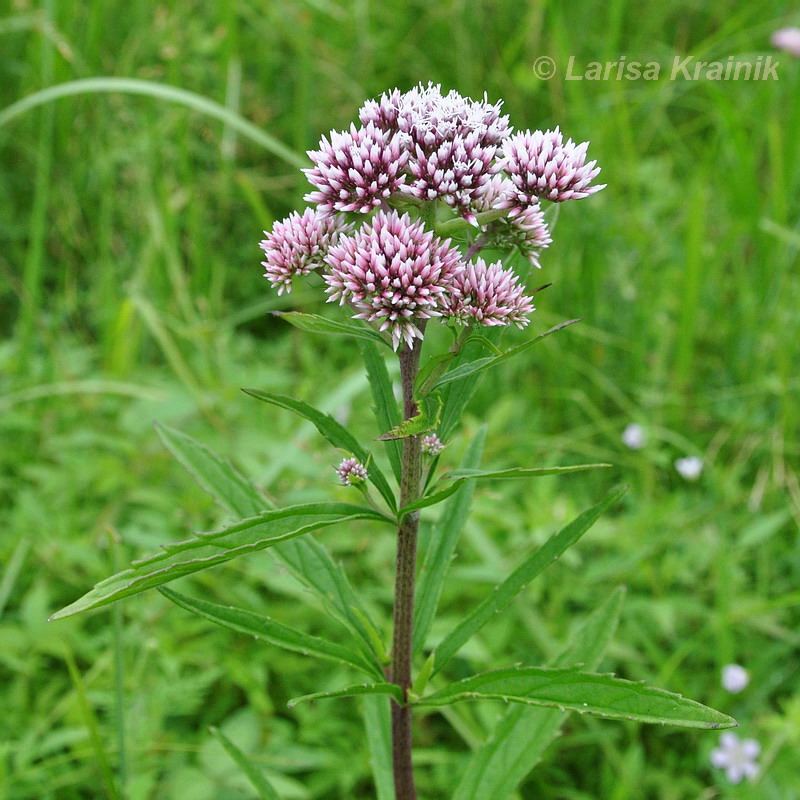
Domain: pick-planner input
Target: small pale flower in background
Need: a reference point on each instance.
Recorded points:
(432, 445)
(734, 678)
(689, 467)
(788, 40)
(736, 756)
(351, 472)
(634, 436)
(297, 245)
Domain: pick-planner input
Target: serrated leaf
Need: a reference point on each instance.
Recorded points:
(423, 422)
(305, 558)
(385, 408)
(268, 630)
(214, 474)
(443, 541)
(519, 738)
(377, 724)
(314, 323)
(389, 689)
(482, 364)
(251, 771)
(505, 592)
(215, 547)
(335, 433)
(458, 476)
(570, 689)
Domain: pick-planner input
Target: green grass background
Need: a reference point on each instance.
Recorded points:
(130, 290)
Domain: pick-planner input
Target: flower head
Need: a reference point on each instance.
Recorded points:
(297, 245)
(490, 295)
(736, 756)
(541, 164)
(357, 170)
(689, 467)
(351, 472)
(432, 445)
(393, 272)
(634, 436)
(735, 678)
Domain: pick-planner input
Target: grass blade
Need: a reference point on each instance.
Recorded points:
(522, 733)
(160, 91)
(377, 724)
(253, 773)
(443, 541)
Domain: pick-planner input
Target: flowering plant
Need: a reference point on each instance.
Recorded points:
(402, 207)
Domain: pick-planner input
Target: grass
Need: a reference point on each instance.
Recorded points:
(130, 291)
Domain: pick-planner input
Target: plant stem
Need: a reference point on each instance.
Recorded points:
(405, 579)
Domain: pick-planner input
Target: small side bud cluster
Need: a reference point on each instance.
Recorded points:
(430, 154)
(351, 472)
(432, 445)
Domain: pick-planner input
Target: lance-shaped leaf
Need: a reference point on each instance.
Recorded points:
(442, 545)
(385, 408)
(585, 692)
(505, 592)
(268, 630)
(377, 725)
(482, 364)
(214, 474)
(389, 689)
(215, 547)
(458, 476)
(254, 774)
(423, 422)
(305, 558)
(522, 733)
(335, 433)
(314, 323)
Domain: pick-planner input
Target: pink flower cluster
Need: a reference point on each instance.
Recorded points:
(424, 151)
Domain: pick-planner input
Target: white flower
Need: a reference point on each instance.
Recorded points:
(634, 437)
(689, 467)
(787, 39)
(734, 678)
(736, 756)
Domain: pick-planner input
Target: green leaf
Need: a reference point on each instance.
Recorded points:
(390, 689)
(443, 540)
(385, 408)
(214, 474)
(251, 771)
(570, 689)
(314, 323)
(519, 738)
(436, 495)
(377, 725)
(335, 433)
(424, 422)
(482, 364)
(430, 369)
(215, 547)
(505, 592)
(260, 627)
(305, 558)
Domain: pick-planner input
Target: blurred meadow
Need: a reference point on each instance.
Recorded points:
(131, 291)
